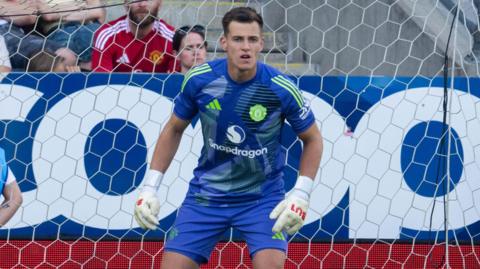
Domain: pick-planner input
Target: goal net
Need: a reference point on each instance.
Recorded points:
(394, 86)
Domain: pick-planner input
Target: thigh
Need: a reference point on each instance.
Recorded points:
(172, 260)
(60, 37)
(196, 231)
(256, 227)
(82, 39)
(269, 259)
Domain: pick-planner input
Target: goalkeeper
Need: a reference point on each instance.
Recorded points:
(242, 105)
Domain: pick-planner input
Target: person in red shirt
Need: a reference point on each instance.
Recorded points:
(136, 42)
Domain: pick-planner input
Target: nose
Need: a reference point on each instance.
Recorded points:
(245, 45)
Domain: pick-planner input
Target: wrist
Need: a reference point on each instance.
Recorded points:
(303, 187)
(153, 179)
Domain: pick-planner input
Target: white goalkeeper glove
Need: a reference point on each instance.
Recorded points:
(147, 205)
(291, 212)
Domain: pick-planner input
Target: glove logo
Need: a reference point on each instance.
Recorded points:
(139, 202)
(298, 211)
(235, 134)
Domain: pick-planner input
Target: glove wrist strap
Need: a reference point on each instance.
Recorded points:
(303, 187)
(153, 179)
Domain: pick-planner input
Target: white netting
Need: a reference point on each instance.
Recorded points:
(373, 72)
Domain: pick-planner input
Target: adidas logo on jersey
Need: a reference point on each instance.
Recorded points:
(279, 236)
(215, 105)
(123, 60)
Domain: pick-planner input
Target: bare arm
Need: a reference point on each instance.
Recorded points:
(5, 69)
(167, 143)
(12, 7)
(312, 151)
(93, 11)
(13, 200)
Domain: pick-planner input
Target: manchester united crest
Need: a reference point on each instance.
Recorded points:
(156, 56)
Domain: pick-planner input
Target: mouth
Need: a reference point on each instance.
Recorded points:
(245, 57)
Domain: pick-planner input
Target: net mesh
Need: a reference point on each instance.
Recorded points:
(399, 180)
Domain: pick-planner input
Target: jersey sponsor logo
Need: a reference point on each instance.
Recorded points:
(215, 105)
(252, 153)
(155, 56)
(258, 112)
(123, 59)
(236, 134)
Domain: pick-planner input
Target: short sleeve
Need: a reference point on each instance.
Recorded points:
(296, 110)
(185, 106)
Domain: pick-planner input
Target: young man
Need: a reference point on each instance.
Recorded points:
(10, 190)
(242, 105)
(136, 42)
(190, 47)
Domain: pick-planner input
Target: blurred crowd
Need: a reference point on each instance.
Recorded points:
(74, 36)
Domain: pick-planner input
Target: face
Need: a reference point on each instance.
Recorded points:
(242, 44)
(192, 51)
(143, 13)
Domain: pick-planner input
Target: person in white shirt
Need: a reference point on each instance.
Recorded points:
(5, 65)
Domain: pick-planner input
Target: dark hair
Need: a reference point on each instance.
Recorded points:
(243, 15)
(44, 61)
(182, 32)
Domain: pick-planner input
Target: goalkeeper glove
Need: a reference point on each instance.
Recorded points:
(147, 205)
(291, 212)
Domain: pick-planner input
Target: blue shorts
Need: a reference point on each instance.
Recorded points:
(198, 228)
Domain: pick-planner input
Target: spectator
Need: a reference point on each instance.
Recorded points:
(22, 46)
(10, 191)
(72, 29)
(138, 41)
(47, 62)
(5, 65)
(190, 47)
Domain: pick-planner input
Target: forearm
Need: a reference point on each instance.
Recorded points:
(77, 12)
(166, 147)
(24, 7)
(97, 14)
(7, 210)
(311, 155)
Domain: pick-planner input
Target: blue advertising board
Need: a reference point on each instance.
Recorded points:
(79, 145)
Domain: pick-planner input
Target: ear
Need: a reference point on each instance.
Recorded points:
(223, 42)
(175, 53)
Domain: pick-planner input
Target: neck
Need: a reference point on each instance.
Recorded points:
(184, 69)
(138, 32)
(242, 75)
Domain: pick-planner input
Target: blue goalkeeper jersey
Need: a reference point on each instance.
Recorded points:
(241, 159)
